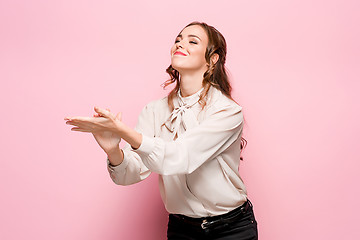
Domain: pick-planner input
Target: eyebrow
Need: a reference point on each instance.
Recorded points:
(190, 36)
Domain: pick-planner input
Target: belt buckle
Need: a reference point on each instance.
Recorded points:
(203, 224)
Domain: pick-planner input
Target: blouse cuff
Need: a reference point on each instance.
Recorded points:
(121, 167)
(147, 145)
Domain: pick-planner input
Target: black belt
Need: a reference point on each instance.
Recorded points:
(206, 222)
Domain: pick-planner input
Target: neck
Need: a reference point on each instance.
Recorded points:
(191, 83)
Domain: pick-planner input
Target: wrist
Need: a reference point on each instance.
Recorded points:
(128, 134)
(120, 128)
(115, 156)
(112, 151)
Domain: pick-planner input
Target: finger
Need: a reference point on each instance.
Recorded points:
(110, 113)
(84, 125)
(70, 123)
(76, 118)
(119, 116)
(82, 119)
(75, 124)
(97, 115)
(77, 129)
(106, 113)
(102, 112)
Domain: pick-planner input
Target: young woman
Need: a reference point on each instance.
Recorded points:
(191, 138)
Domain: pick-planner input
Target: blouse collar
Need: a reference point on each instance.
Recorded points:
(182, 118)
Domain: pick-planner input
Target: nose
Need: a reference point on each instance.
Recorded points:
(179, 45)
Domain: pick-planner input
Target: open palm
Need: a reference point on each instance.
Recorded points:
(103, 127)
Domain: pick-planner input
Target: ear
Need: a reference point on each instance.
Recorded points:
(214, 58)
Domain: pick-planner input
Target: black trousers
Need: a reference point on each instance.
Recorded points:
(239, 224)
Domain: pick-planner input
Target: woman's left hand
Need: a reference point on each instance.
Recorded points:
(105, 127)
(104, 120)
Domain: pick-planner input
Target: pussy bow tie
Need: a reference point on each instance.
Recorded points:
(182, 117)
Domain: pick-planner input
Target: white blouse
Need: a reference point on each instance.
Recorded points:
(195, 152)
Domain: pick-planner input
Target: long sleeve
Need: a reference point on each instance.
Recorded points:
(197, 145)
(132, 169)
(195, 151)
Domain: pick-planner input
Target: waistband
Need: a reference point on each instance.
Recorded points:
(206, 222)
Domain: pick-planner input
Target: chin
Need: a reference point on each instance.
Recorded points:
(180, 69)
(177, 68)
(180, 66)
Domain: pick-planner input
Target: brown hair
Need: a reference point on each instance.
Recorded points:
(215, 75)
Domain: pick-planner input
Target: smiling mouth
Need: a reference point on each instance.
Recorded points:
(179, 53)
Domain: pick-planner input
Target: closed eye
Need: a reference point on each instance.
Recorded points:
(193, 42)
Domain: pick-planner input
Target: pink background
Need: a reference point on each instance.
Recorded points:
(294, 68)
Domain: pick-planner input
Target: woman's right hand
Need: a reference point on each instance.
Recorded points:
(107, 140)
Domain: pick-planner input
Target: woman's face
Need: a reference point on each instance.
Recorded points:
(188, 51)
